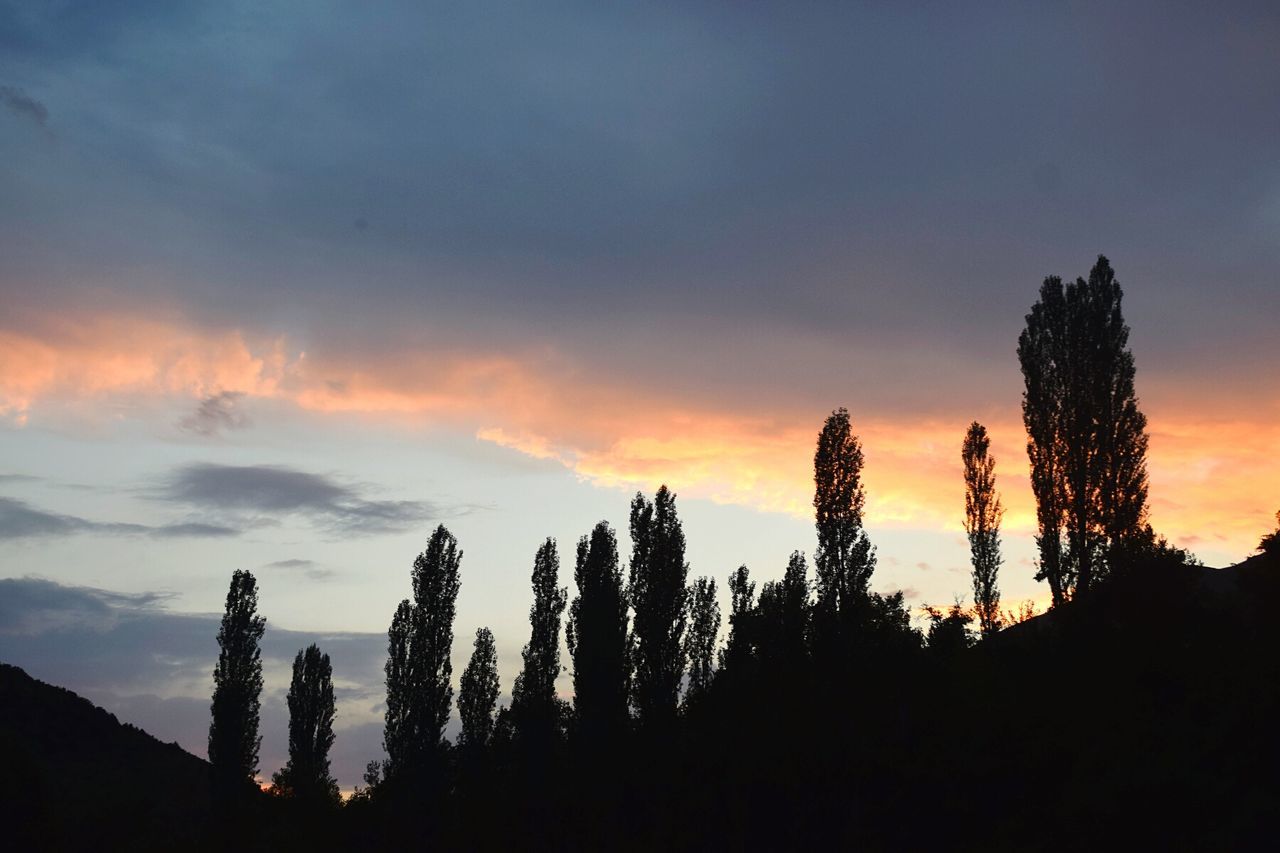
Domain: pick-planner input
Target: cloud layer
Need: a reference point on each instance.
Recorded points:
(1211, 458)
(275, 491)
(20, 520)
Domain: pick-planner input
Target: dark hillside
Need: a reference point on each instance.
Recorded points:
(75, 776)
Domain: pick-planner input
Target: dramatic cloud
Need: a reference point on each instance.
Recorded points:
(20, 520)
(21, 104)
(216, 413)
(274, 490)
(1210, 458)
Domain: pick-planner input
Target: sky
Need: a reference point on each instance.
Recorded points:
(286, 285)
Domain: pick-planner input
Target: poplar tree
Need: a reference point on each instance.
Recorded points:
(1087, 438)
(597, 635)
(306, 776)
(237, 688)
(704, 628)
(418, 667)
(658, 594)
(533, 698)
(737, 652)
(845, 559)
(478, 693)
(982, 514)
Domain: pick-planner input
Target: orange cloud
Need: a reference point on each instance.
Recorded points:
(1212, 482)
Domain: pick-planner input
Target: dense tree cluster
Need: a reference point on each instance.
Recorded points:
(655, 691)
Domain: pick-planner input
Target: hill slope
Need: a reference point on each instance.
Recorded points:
(73, 774)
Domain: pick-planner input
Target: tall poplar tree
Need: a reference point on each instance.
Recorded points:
(982, 514)
(237, 688)
(533, 699)
(418, 666)
(597, 635)
(306, 776)
(845, 559)
(704, 628)
(738, 650)
(1087, 439)
(478, 693)
(658, 594)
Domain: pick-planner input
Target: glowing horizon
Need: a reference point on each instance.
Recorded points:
(1206, 476)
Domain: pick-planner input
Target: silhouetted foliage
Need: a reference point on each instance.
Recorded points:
(478, 693)
(1087, 439)
(418, 669)
(782, 625)
(982, 514)
(306, 777)
(845, 558)
(738, 650)
(828, 723)
(704, 629)
(658, 593)
(533, 699)
(1270, 544)
(237, 687)
(949, 631)
(597, 636)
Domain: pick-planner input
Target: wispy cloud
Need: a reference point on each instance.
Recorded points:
(22, 104)
(216, 413)
(275, 490)
(308, 567)
(21, 520)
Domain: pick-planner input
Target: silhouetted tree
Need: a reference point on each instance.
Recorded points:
(982, 514)
(845, 558)
(399, 738)
(597, 635)
(657, 593)
(1042, 350)
(533, 699)
(704, 628)
(1270, 543)
(306, 776)
(781, 621)
(948, 632)
(478, 693)
(738, 648)
(418, 667)
(237, 687)
(1087, 439)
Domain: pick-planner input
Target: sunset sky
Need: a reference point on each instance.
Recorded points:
(283, 286)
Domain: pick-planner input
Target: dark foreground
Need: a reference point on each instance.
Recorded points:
(1145, 715)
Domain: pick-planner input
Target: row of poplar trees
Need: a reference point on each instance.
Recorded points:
(645, 647)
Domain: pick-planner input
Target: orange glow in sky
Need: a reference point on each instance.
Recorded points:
(1212, 481)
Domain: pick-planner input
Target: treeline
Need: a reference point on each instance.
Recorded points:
(823, 700)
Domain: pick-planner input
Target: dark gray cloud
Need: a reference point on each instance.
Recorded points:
(141, 661)
(276, 490)
(308, 567)
(216, 413)
(845, 173)
(21, 520)
(22, 104)
(18, 478)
